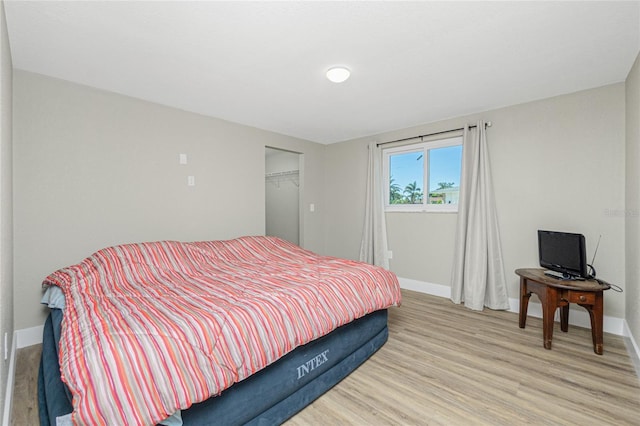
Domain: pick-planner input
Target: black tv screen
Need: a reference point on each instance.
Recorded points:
(563, 252)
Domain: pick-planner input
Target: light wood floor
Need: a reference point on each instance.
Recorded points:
(447, 365)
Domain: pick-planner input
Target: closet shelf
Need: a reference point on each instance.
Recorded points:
(278, 174)
(277, 177)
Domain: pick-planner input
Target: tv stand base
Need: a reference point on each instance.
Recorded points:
(557, 293)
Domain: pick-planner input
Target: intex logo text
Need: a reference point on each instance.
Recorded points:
(312, 364)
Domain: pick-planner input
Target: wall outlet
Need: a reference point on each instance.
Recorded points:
(183, 158)
(191, 181)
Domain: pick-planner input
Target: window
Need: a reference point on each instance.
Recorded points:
(409, 169)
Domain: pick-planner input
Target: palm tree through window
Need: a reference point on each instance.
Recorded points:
(434, 165)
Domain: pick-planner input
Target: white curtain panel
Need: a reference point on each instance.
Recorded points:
(478, 271)
(373, 248)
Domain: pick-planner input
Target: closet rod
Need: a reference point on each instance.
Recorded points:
(487, 124)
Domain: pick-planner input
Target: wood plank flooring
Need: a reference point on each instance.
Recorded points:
(447, 365)
(25, 391)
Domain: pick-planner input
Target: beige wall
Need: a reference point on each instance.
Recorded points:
(632, 211)
(557, 164)
(93, 169)
(6, 204)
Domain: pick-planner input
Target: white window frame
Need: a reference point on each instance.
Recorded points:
(423, 146)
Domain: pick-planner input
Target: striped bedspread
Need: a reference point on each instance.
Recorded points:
(151, 328)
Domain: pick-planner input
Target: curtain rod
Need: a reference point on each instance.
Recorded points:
(487, 124)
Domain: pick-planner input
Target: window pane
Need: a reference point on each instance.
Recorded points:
(406, 177)
(444, 175)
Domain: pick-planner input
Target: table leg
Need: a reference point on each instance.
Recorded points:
(596, 314)
(549, 307)
(564, 318)
(524, 301)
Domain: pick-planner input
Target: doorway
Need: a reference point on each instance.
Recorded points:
(283, 194)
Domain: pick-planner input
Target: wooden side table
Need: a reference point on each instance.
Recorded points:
(553, 294)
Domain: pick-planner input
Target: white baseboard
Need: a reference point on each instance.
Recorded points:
(21, 339)
(29, 336)
(425, 287)
(632, 346)
(8, 396)
(578, 317)
(618, 326)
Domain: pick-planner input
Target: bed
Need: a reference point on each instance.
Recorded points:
(244, 331)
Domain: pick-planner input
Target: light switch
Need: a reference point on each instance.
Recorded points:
(191, 180)
(183, 158)
(312, 207)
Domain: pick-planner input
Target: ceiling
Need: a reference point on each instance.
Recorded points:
(262, 63)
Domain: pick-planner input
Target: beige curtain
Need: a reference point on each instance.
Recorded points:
(373, 248)
(478, 271)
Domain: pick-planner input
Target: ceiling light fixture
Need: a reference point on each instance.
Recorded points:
(338, 74)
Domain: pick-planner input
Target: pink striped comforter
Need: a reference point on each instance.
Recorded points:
(152, 328)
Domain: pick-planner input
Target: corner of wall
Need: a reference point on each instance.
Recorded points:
(7, 339)
(8, 397)
(632, 348)
(632, 200)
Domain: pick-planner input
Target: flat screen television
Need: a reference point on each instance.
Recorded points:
(563, 252)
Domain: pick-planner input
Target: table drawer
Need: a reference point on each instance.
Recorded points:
(581, 297)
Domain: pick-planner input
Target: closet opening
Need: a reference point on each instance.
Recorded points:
(283, 194)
